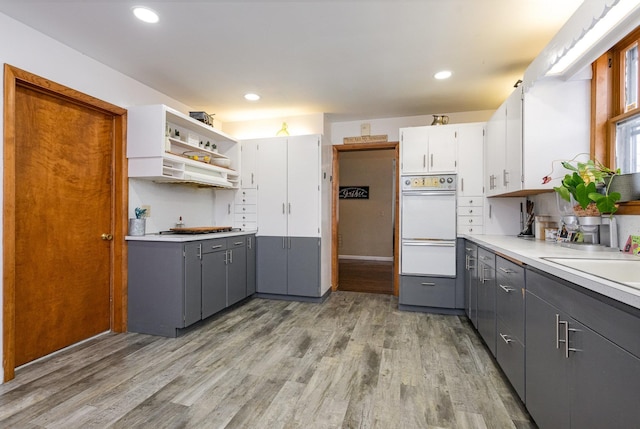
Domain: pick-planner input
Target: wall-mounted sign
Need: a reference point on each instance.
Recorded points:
(354, 193)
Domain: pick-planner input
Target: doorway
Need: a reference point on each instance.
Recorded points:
(65, 200)
(365, 225)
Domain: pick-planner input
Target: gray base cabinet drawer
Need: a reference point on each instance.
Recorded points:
(510, 356)
(510, 293)
(437, 292)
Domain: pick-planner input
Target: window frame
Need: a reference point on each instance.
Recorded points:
(607, 106)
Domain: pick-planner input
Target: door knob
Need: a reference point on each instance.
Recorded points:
(107, 237)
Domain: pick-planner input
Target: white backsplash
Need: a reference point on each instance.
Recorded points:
(170, 201)
(545, 204)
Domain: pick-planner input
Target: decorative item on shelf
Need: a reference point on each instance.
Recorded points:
(383, 138)
(203, 117)
(440, 120)
(587, 187)
(137, 225)
(197, 156)
(284, 131)
(214, 147)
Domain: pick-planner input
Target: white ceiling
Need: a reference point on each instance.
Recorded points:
(351, 59)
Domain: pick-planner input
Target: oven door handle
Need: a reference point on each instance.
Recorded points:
(428, 194)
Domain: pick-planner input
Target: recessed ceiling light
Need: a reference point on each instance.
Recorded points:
(251, 97)
(444, 74)
(145, 14)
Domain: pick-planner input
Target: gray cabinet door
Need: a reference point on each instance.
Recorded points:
(303, 266)
(471, 281)
(546, 381)
(236, 273)
(251, 265)
(271, 265)
(604, 382)
(192, 284)
(214, 282)
(487, 305)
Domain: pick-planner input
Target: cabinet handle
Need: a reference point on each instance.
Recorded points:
(567, 348)
(216, 247)
(558, 323)
(428, 284)
(229, 208)
(231, 256)
(200, 251)
(470, 201)
(505, 174)
(506, 338)
(462, 184)
(289, 208)
(431, 161)
(490, 206)
(283, 243)
(466, 262)
(470, 220)
(507, 289)
(283, 212)
(424, 161)
(249, 242)
(470, 211)
(238, 243)
(506, 270)
(289, 242)
(252, 178)
(468, 249)
(226, 257)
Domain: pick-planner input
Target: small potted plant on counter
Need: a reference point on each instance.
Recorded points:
(586, 187)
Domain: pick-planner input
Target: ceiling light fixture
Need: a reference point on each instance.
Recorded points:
(600, 27)
(444, 74)
(145, 14)
(251, 97)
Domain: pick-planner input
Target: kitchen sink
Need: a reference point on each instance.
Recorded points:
(625, 271)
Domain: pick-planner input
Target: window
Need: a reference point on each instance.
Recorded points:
(616, 109)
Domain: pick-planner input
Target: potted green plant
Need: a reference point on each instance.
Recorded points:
(587, 185)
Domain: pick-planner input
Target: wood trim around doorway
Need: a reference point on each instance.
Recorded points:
(13, 78)
(334, 208)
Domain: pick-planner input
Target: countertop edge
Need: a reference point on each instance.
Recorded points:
(500, 244)
(184, 238)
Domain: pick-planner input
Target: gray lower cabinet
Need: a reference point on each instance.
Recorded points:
(434, 292)
(251, 264)
(214, 282)
(471, 281)
(487, 298)
(581, 370)
(173, 285)
(510, 346)
(236, 267)
(288, 266)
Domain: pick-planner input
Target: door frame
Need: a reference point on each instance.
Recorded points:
(13, 78)
(337, 149)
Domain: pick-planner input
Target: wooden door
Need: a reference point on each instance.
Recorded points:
(64, 187)
(63, 205)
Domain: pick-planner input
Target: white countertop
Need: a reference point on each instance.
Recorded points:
(532, 252)
(180, 238)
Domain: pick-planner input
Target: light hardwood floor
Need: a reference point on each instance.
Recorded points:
(354, 361)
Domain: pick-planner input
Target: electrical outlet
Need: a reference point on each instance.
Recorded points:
(365, 129)
(148, 211)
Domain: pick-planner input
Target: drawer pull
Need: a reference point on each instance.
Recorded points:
(506, 338)
(507, 289)
(428, 284)
(238, 243)
(216, 247)
(506, 270)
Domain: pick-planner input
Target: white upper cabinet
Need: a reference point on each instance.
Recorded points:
(249, 164)
(428, 149)
(165, 145)
(530, 132)
(289, 187)
(470, 155)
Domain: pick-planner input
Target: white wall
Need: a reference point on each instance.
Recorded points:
(300, 125)
(34, 52)
(391, 126)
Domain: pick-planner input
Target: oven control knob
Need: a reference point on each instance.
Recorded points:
(442, 180)
(449, 180)
(407, 182)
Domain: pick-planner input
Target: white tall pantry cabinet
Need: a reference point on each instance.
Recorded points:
(289, 181)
